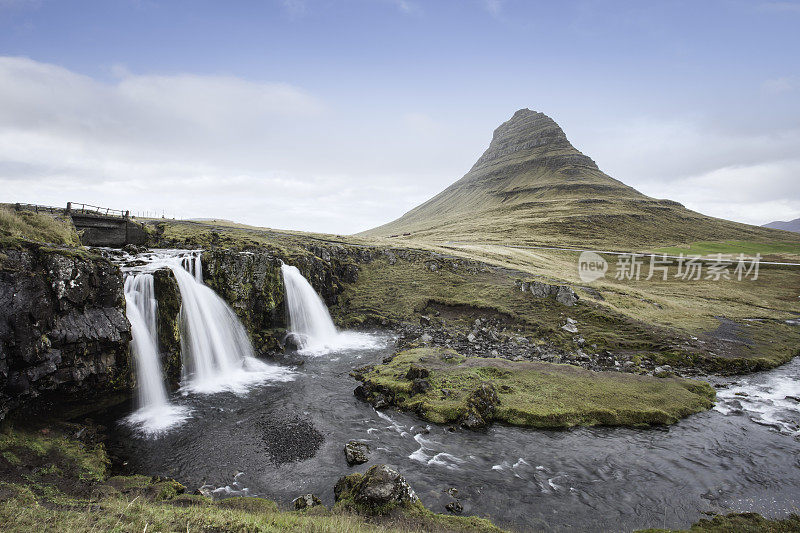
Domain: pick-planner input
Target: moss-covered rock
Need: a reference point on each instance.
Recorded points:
(378, 491)
(168, 324)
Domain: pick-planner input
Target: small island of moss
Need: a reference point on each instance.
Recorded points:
(445, 387)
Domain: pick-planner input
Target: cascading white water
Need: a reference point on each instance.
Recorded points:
(155, 413)
(193, 264)
(309, 319)
(217, 353)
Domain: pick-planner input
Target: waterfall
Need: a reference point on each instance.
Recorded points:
(309, 319)
(216, 350)
(155, 413)
(193, 264)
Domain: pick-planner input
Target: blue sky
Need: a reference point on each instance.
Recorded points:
(338, 116)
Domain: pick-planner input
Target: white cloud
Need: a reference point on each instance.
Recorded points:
(755, 194)
(277, 155)
(295, 8)
(263, 153)
(493, 6)
(778, 85)
(784, 7)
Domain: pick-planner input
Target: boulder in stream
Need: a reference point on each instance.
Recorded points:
(356, 452)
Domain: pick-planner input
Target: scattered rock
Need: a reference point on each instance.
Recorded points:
(566, 296)
(417, 372)
(306, 501)
(454, 507)
(420, 386)
(378, 490)
(206, 491)
(356, 452)
(134, 249)
(570, 326)
(482, 404)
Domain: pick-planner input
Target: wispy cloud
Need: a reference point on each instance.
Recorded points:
(194, 145)
(495, 7)
(790, 7)
(407, 7)
(779, 85)
(295, 8)
(20, 4)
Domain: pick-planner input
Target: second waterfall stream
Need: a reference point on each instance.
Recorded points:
(310, 322)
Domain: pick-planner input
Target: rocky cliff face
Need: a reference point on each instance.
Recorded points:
(168, 296)
(62, 326)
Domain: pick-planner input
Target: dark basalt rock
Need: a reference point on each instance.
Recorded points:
(251, 282)
(420, 386)
(356, 452)
(63, 329)
(454, 507)
(306, 501)
(482, 404)
(417, 372)
(168, 296)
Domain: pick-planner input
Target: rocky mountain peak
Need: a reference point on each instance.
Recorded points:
(529, 134)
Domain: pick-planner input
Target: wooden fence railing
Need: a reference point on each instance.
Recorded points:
(96, 210)
(72, 209)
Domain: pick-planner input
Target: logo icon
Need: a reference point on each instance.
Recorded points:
(591, 266)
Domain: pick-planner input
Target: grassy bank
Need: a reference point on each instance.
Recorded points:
(35, 227)
(51, 481)
(531, 394)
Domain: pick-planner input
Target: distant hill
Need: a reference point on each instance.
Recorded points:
(792, 225)
(531, 186)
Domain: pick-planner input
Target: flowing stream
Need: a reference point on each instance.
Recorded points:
(289, 441)
(286, 439)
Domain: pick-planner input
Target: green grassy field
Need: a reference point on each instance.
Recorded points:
(767, 250)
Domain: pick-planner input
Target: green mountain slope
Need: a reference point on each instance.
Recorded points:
(531, 186)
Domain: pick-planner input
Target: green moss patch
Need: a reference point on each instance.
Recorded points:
(742, 523)
(528, 394)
